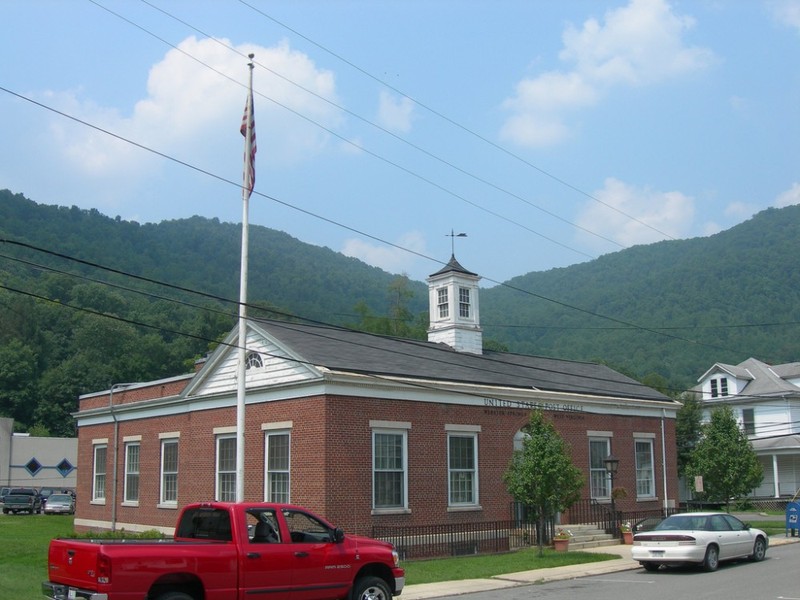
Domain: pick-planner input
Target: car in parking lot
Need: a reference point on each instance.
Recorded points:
(59, 504)
(702, 538)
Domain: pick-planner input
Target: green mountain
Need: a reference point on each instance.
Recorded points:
(665, 312)
(673, 308)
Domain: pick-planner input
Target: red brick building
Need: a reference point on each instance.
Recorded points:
(366, 430)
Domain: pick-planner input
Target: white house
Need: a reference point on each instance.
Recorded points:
(766, 400)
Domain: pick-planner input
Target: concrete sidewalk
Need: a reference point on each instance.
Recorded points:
(624, 562)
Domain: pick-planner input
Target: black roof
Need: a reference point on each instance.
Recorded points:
(358, 352)
(453, 265)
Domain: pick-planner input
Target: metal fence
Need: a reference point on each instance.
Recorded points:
(457, 539)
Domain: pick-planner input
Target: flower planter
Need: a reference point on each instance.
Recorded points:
(560, 545)
(627, 537)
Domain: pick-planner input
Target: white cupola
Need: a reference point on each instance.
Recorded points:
(453, 306)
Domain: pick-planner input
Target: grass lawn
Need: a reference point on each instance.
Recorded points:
(23, 552)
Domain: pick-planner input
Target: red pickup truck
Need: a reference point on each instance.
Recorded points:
(229, 550)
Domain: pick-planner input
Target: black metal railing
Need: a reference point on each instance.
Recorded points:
(457, 539)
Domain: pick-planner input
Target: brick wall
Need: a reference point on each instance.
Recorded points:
(331, 457)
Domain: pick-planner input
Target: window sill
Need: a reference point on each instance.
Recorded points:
(99, 502)
(168, 505)
(377, 512)
(130, 503)
(469, 508)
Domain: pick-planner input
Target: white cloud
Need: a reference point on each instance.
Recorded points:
(395, 114)
(630, 215)
(193, 107)
(789, 197)
(639, 44)
(388, 258)
(786, 12)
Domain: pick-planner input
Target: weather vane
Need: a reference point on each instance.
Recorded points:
(452, 237)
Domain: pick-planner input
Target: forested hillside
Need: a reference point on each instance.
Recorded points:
(67, 327)
(675, 307)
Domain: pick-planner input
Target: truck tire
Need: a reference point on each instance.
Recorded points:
(370, 588)
(174, 596)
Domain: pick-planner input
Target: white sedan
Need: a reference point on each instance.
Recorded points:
(703, 538)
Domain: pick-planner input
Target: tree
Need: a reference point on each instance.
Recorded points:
(688, 429)
(541, 475)
(725, 459)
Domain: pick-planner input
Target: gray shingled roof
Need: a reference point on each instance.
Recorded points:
(763, 379)
(358, 352)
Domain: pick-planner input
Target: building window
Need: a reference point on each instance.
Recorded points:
(462, 461)
(442, 303)
(719, 387)
(749, 421)
(463, 303)
(253, 361)
(132, 472)
(226, 469)
(599, 478)
(389, 475)
(277, 461)
(169, 471)
(645, 475)
(99, 469)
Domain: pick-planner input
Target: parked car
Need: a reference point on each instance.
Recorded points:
(22, 500)
(3, 492)
(59, 504)
(703, 538)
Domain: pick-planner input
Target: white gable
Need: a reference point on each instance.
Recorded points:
(278, 366)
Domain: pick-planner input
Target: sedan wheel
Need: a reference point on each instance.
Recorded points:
(759, 550)
(711, 561)
(651, 566)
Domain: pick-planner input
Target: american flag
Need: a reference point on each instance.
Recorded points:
(249, 123)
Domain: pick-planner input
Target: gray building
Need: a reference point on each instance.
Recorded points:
(39, 462)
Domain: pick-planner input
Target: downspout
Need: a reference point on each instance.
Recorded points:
(664, 460)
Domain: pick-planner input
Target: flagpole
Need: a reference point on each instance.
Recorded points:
(248, 125)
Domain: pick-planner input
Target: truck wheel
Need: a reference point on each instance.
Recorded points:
(370, 588)
(175, 596)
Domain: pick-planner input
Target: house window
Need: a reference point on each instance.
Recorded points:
(719, 387)
(463, 303)
(645, 475)
(749, 421)
(277, 461)
(599, 478)
(389, 474)
(169, 471)
(462, 461)
(99, 469)
(226, 468)
(442, 303)
(132, 472)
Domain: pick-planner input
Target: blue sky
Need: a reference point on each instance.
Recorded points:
(550, 131)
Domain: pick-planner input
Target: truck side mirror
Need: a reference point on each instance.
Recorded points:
(338, 535)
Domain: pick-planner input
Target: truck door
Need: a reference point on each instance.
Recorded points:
(267, 560)
(323, 568)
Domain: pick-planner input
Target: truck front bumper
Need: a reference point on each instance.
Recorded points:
(58, 591)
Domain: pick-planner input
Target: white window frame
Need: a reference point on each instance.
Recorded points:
(282, 472)
(443, 302)
(599, 477)
(225, 472)
(457, 473)
(645, 473)
(133, 461)
(99, 475)
(168, 493)
(464, 302)
(400, 431)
